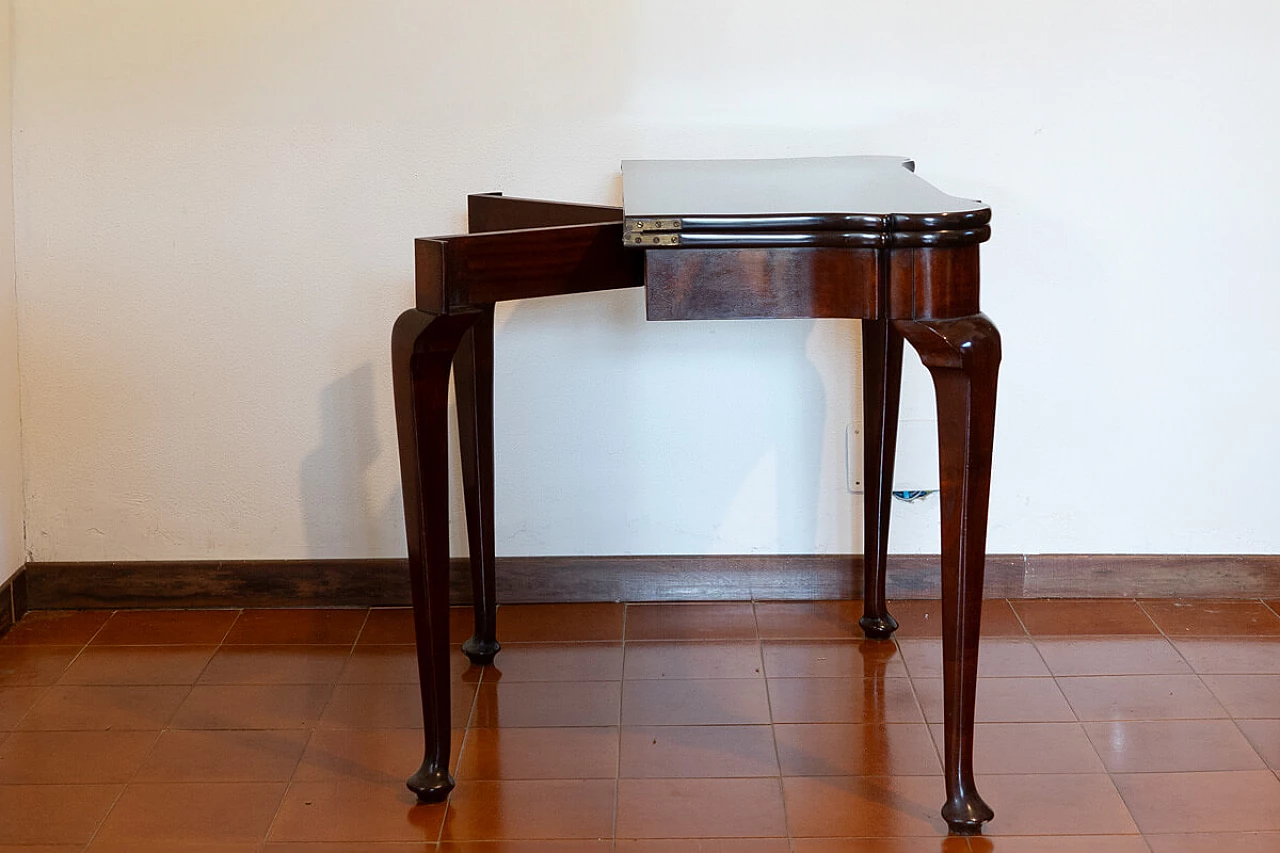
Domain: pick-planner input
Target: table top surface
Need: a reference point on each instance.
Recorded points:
(867, 185)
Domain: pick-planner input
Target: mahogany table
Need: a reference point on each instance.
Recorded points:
(849, 237)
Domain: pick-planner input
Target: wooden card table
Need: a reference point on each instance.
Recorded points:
(850, 237)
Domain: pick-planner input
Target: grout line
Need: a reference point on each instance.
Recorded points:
(773, 726)
(1200, 677)
(1036, 646)
(1147, 613)
(98, 827)
(355, 641)
(1162, 633)
(1194, 671)
(222, 641)
(46, 689)
(759, 643)
(617, 769)
(288, 786)
(928, 727)
(106, 815)
(311, 730)
(1017, 616)
(111, 615)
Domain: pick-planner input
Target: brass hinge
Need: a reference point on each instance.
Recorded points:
(652, 225)
(635, 238)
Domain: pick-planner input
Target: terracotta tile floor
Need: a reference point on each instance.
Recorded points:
(1108, 727)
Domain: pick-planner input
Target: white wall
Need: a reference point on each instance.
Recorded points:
(216, 201)
(12, 550)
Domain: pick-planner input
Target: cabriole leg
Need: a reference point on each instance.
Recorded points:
(881, 386)
(422, 350)
(473, 387)
(963, 355)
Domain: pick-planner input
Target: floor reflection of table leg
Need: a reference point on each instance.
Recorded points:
(473, 389)
(422, 351)
(963, 355)
(881, 386)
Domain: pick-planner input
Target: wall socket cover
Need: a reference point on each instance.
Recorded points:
(916, 463)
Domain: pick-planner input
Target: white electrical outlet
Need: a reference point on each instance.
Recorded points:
(853, 458)
(916, 463)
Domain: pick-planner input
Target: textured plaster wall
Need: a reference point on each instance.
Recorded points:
(12, 551)
(216, 200)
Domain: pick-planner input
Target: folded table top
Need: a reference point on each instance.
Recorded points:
(867, 201)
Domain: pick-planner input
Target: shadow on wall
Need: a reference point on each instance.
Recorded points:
(340, 466)
(740, 455)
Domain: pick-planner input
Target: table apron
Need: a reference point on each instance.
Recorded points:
(770, 283)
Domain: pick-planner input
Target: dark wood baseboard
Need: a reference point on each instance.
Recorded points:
(1152, 576)
(13, 600)
(384, 582)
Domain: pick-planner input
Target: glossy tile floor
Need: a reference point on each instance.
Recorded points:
(1105, 726)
